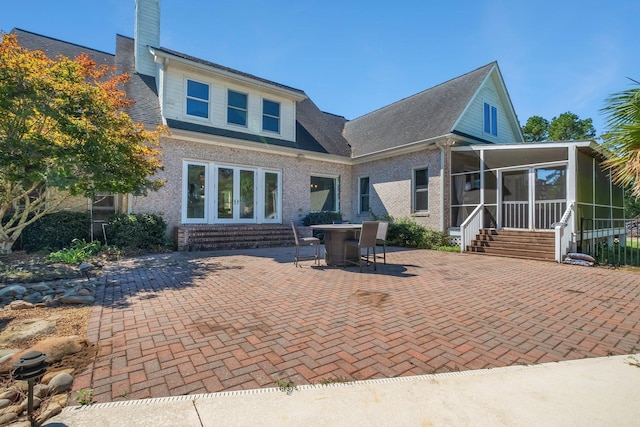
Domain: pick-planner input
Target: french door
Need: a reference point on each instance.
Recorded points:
(235, 200)
(226, 194)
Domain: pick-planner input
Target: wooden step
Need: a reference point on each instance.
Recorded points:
(538, 245)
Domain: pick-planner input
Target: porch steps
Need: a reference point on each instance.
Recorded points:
(219, 237)
(514, 244)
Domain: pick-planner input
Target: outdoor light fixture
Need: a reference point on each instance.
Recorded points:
(85, 268)
(30, 367)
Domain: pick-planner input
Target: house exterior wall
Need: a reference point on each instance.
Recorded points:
(296, 174)
(472, 121)
(391, 191)
(174, 98)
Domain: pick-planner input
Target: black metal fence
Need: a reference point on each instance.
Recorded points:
(614, 242)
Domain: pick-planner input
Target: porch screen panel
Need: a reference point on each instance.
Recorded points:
(515, 199)
(196, 191)
(551, 195)
(270, 195)
(602, 187)
(584, 180)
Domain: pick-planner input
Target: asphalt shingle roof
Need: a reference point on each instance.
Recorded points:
(54, 47)
(425, 115)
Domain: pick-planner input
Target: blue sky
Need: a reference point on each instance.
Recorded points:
(352, 57)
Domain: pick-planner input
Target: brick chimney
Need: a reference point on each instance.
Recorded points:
(146, 33)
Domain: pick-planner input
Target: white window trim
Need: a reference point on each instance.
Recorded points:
(360, 194)
(336, 180)
(246, 125)
(186, 97)
(279, 131)
(491, 127)
(414, 210)
(185, 191)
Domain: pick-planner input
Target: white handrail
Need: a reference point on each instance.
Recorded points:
(563, 232)
(470, 227)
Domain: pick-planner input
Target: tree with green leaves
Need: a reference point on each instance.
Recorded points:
(536, 129)
(64, 132)
(566, 127)
(622, 137)
(569, 127)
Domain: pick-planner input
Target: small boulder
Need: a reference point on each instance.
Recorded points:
(77, 299)
(4, 403)
(7, 417)
(41, 287)
(20, 305)
(51, 410)
(13, 290)
(61, 383)
(46, 378)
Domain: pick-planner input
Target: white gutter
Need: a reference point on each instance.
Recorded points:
(398, 150)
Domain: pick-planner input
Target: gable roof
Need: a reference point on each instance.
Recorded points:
(427, 115)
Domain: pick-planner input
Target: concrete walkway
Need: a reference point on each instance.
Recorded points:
(587, 392)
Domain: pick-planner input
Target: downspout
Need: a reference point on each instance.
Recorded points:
(441, 146)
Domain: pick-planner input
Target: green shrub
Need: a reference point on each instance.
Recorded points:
(323, 217)
(55, 231)
(140, 231)
(408, 233)
(79, 252)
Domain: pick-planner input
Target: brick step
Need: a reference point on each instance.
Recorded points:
(215, 246)
(234, 236)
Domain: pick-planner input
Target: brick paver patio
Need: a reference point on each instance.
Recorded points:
(187, 323)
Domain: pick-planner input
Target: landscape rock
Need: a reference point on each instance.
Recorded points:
(10, 394)
(20, 305)
(4, 403)
(40, 390)
(26, 330)
(7, 417)
(41, 287)
(46, 378)
(52, 410)
(61, 383)
(13, 290)
(77, 299)
(55, 348)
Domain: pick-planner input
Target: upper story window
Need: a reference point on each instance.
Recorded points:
(270, 116)
(421, 190)
(237, 108)
(490, 119)
(197, 99)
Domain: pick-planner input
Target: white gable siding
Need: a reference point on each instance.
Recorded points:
(175, 104)
(472, 122)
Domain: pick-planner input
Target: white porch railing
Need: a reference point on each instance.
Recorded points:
(546, 212)
(564, 230)
(470, 227)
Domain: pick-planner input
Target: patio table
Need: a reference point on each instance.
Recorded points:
(334, 238)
